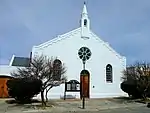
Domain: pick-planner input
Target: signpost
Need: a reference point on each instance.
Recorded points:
(84, 54)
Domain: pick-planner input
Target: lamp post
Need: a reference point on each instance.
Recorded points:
(84, 54)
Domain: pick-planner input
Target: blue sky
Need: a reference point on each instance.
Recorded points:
(125, 24)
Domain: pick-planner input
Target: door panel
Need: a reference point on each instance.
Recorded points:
(85, 86)
(3, 88)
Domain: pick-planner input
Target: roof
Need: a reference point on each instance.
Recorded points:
(20, 61)
(6, 76)
(58, 38)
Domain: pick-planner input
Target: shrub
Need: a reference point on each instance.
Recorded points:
(137, 80)
(130, 88)
(23, 89)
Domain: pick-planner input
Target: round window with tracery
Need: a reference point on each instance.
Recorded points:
(84, 53)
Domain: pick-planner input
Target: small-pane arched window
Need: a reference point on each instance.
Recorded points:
(109, 73)
(57, 69)
(57, 63)
(85, 22)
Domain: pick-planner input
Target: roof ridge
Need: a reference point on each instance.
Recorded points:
(56, 39)
(106, 44)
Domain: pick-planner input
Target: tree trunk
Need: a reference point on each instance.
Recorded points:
(42, 97)
(47, 90)
(144, 96)
(46, 95)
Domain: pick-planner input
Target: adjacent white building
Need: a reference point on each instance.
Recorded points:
(105, 64)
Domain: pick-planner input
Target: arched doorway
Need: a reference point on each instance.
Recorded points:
(85, 83)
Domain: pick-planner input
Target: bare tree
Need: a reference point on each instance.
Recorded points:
(50, 71)
(139, 73)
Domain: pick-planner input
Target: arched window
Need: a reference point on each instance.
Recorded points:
(109, 73)
(85, 22)
(57, 62)
(57, 66)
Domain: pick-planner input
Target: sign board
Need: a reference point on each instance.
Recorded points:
(72, 86)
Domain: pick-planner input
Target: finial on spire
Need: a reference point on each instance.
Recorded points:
(84, 2)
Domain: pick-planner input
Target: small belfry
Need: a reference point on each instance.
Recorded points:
(85, 23)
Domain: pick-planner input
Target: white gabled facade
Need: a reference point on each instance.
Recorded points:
(65, 47)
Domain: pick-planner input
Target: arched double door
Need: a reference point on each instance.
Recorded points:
(85, 83)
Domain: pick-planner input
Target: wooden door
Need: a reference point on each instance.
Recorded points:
(3, 88)
(85, 85)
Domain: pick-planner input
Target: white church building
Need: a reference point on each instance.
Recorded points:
(105, 65)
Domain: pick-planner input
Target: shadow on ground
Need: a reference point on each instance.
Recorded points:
(13, 101)
(33, 104)
(131, 100)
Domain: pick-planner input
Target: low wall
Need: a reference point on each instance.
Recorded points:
(7, 70)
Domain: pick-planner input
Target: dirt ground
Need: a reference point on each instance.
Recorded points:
(69, 105)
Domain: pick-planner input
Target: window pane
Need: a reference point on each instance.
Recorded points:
(85, 22)
(68, 87)
(109, 73)
(73, 86)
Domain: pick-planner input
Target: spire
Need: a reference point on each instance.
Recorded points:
(84, 12)
(84, 22)
(84, 17)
